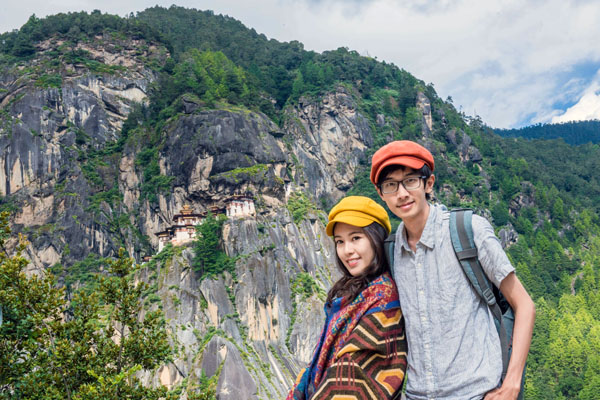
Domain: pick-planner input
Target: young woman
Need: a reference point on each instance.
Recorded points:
(362, 350)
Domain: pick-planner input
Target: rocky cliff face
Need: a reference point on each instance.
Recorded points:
(328, 138)
(54, 115)
(77, 195)
(257, 315)
(424, 105)
(249, 325)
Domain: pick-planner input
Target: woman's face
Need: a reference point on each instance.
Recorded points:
(353, 248)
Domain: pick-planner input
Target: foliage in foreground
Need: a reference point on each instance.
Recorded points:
(88, 348)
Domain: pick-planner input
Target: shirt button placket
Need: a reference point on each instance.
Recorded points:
(423, 307)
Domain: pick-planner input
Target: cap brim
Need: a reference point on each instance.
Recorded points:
(350, 218)
(407, 161)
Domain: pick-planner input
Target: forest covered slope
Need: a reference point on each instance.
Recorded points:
(109, 126)
(576, 132)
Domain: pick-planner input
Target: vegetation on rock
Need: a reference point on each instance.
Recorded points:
(209, 258)
(299, 205)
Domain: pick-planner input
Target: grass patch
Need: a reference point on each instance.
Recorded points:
(49, 81)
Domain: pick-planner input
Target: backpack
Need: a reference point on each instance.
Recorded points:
(461, 234)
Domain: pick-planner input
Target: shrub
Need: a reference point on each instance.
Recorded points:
(210, 259)
(299, 205)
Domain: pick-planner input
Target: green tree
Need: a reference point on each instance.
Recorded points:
(298, 86)
(140, 344)
(88, 348)
(500, 213)
(558, 212)
(31, 311)
(209, 258)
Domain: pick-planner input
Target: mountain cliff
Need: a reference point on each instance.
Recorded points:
(75, 185)
(110, 130)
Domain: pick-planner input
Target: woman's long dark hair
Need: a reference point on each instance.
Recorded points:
(350, 286)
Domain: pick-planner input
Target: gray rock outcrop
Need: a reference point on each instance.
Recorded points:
(329, 138)
(424, 104)
(508, 236)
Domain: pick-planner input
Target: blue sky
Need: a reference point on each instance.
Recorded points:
(512, 62)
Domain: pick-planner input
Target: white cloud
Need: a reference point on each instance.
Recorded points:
(588, 107)
(508, 61)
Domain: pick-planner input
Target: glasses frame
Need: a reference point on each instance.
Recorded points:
(401, 182)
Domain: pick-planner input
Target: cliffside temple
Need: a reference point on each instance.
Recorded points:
(240, 206)
(183, 229)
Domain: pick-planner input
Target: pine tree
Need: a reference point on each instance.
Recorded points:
(88, 348)
(209, 258)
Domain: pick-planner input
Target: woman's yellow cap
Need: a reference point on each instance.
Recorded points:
(358, 211)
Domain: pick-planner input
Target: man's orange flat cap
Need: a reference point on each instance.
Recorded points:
(400, 152)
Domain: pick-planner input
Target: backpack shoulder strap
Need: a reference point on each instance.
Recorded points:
(388, 245)
(461, 234)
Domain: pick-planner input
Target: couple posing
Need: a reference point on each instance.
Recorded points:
(420, 312)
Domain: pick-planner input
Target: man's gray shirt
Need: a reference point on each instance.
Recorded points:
(453, 346)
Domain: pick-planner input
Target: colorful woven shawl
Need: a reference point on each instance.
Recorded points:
(341, 319)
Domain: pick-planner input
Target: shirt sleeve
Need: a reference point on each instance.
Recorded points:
(491, 255)
(372, 363)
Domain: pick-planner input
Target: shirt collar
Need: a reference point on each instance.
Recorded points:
(428, 235)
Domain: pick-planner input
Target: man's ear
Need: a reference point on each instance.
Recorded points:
(429, 184)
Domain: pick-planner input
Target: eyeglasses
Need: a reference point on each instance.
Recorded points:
(410, 183)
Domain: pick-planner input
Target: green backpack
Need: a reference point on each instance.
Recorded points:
(461, 233)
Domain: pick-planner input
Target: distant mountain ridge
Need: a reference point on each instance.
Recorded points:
(575, 133)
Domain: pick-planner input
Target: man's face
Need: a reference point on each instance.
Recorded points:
(407, 204)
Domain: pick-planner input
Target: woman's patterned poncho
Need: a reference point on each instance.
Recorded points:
(362, 350)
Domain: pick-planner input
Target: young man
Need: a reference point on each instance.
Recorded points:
(454, 348)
